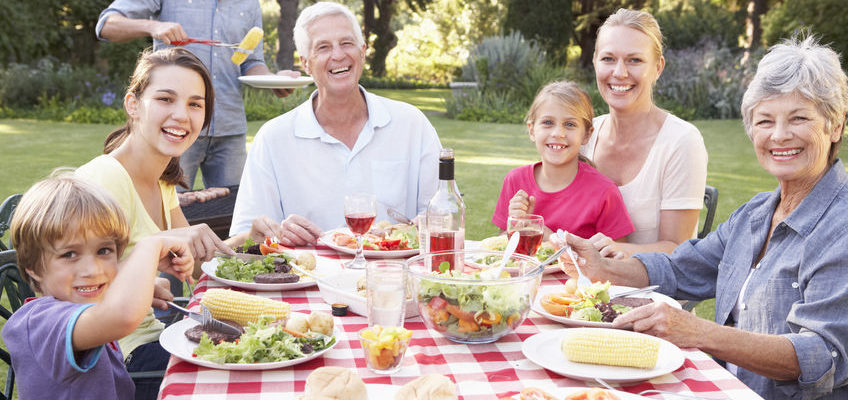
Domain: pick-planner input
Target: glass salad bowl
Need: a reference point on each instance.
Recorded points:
(454, 299)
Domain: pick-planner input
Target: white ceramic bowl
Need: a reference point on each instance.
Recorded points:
(341, 288)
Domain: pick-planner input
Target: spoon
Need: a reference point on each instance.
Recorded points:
(582, 280)
(645, 289)
(495, 272)
(398, 216)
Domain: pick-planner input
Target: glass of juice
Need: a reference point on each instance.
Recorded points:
(531, 229)
(360, 209)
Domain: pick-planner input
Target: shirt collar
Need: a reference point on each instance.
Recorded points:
(306, 124)
(808, 214)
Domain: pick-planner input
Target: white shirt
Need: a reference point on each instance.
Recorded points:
(295, 167)
(673, 176)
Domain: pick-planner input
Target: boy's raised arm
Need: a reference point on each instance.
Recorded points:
(128, 297)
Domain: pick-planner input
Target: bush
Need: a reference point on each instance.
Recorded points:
(822, 17)
(685, 24)
(704, 82)
(262, 104)
(28, 86)
(500, 63)
(486, 107)
(370, 82)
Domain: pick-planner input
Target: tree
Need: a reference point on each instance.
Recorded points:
(548, 22)
(824, 18)
(591, 14)
(285, 38)
(377, 20)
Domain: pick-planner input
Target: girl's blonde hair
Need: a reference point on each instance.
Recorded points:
(639, 20)
(571, 97)
(147, 62)
(51, 207)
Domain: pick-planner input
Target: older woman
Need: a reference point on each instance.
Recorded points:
(342, 140)
(658, 160)
(777, 267)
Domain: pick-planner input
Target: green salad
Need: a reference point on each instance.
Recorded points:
(262, 343)
(587, 308)
(237, 269)
(472, 310)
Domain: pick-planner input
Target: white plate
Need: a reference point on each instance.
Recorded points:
(544, 349)
(327, 240)
(174, 341)
(543, 290)
(341, 288)
(321, 269)
(275, 81)
(562, 392)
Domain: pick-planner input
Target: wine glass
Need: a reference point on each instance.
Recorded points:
(360, 211)
(530, 228)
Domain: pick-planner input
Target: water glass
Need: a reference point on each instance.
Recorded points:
(386, 292)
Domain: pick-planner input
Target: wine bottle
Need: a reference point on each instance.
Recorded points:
(446, 216)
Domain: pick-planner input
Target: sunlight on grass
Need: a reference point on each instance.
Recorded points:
(6, 129)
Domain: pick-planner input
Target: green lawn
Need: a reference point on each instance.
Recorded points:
(485, 152)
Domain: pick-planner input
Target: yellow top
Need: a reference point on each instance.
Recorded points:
(107, 172)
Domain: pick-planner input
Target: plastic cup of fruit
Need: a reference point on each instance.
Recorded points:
(384, 347)
(466, 308)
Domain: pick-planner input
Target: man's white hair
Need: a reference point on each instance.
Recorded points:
(303, 42)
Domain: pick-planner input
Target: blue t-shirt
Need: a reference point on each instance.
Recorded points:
(38, 337)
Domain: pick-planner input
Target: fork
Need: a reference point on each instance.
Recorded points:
(651, 392)
(582, 280)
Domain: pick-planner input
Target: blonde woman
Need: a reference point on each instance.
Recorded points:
(658, 161)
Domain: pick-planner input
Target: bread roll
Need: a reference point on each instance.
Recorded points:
(334, 383)
(428, 387)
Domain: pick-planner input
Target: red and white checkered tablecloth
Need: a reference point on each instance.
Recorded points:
(481, 371)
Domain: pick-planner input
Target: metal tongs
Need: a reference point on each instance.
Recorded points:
(206, 320)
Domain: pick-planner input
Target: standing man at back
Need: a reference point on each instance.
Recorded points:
(220, 154)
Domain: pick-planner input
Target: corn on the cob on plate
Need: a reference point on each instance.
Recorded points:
(541, 349)
(241, 307)
(611, 347)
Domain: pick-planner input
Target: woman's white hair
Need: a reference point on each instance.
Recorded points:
(803, 66)
(303, 42)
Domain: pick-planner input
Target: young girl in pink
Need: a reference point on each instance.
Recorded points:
(563, 188)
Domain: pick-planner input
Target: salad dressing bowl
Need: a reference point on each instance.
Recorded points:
(465, 307)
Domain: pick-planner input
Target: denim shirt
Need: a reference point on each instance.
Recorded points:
(798, 290)
(225, 20)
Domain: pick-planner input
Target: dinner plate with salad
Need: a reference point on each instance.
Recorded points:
(268, 272)
(262, 346)
(382, 241)
(592, 308)
(498, 243)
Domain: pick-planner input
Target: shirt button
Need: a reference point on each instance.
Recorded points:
(241, 13)
(744, 306)
(834, 354)
(795, 285)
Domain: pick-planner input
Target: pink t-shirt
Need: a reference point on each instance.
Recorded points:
(590, 204)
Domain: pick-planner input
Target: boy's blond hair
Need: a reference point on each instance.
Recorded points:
(59, 206)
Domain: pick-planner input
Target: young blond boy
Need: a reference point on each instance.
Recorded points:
(69, 235)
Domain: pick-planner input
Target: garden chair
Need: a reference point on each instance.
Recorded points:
(17, 292)
(711, 202)
(6, 210)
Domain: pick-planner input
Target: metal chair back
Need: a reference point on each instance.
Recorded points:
(17, 291)
(711, 203)
(6, 211)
